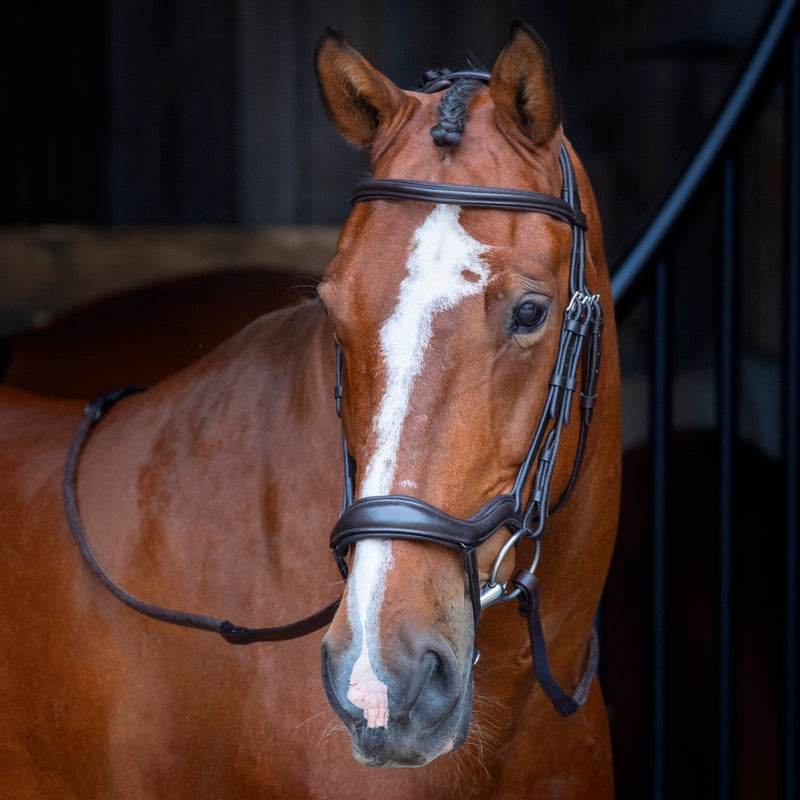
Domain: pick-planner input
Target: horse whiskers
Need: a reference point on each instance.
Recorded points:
(487, 668)
(470, 760)
(334, 727)
(306, 285)
(482, 747)
(484, 740)
(324, 712)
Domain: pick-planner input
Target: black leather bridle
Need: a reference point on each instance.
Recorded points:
(401, 517)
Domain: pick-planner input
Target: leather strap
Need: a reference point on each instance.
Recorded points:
(234, 634)
(466, 195)
(528, 585)
(401, 517)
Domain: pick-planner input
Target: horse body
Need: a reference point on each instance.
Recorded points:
(186, 535)
(216, 491)
(110, 704)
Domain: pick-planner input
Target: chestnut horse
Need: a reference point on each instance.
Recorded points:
(463, 318)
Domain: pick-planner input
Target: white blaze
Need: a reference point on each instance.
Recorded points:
(444, 266)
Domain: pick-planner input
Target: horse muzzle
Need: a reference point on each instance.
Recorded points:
(415, 705)
(423, 714)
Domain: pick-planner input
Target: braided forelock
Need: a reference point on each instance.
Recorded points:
(453, 112)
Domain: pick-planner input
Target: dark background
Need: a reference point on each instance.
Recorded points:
(131, 112)
(136, 134)
(179, 116)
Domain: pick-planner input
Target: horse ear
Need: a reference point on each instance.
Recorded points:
(357, 98)
(523, 87)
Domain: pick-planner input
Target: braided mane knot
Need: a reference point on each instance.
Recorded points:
(453, 108)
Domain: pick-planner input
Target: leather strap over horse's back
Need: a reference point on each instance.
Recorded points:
(234, 634)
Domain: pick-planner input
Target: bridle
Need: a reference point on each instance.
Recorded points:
(402, 517)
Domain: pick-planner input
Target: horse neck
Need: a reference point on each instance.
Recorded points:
(199, 482)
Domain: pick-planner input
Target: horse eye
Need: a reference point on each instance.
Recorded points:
(528, 317)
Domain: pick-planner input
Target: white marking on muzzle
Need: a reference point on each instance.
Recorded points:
(444, 266)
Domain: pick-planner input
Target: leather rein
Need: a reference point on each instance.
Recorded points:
(397, 516)
(235, 634)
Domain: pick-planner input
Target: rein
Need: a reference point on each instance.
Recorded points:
(234, 634)
(402, 517)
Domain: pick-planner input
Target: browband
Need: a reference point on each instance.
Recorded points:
(465, 195)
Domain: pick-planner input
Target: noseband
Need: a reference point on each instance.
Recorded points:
(402, 517)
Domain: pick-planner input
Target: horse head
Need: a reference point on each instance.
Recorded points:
(447, 314)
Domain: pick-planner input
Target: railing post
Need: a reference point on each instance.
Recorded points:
(643, 253)
(646, 262)
(726, 422)
(660, 430)
(791, 424)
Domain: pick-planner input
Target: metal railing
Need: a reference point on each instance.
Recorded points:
(647, 271)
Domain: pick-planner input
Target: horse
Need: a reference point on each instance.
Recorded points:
(145, 334)
(419, 408)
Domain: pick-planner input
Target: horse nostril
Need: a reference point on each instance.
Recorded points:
(432, 689)
(329, 682)
(416, 682)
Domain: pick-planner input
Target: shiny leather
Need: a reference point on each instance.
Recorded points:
(401, 517)
(468, 196)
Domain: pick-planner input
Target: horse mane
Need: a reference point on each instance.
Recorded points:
(453, 107)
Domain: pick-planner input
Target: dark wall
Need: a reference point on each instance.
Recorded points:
(54, 103)
(205, 111)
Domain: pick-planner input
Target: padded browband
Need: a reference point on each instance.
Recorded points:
(401, 517)
(464, 195)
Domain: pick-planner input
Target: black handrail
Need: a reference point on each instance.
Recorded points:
(647, 270)
(644, 253)
(791, 425)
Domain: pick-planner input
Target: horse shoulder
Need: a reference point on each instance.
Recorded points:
(52, 689)
(185, 499)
